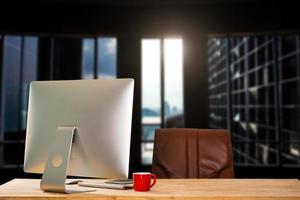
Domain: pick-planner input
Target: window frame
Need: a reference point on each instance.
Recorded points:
(96, 52)
(161, 39)
(18, 142)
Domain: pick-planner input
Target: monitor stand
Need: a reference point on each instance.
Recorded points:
(55, 173)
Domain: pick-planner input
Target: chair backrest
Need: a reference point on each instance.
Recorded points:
(192, 153)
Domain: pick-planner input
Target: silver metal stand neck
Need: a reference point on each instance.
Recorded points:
(55, 173)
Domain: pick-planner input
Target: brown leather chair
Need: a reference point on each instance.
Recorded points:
(192, 153)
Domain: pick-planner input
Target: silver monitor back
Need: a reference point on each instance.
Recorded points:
(101, 110)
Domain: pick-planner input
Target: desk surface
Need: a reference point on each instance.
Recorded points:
(169, 189)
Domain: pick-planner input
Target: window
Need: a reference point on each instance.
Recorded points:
(173, 82)
(19, 67)
(107, 57)
(10, 81)
(254, 90)
(88, 61)
(162, 89)
(151, 95)
(104, 65)
(29, 73)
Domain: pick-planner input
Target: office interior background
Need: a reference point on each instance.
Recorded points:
(198, 64)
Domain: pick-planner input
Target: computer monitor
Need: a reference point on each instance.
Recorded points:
(78, 128)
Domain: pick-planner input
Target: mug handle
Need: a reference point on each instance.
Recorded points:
(153, 177)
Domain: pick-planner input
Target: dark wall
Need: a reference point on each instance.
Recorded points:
(195, 81)
(130, 23)
(50, 18)
(67, 58)
(129, 66)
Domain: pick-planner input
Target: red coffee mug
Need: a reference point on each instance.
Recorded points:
(142, 181)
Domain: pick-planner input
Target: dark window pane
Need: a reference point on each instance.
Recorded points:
(11, 81)
(29, 73)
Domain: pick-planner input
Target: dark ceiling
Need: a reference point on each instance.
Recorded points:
(143, 2)
(147, 16)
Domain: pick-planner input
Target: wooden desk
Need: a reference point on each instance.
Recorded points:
(287, 189)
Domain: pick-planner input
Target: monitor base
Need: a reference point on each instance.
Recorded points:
(55, 173)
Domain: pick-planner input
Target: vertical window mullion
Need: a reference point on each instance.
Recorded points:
(20, 83)
(96, 61)
(51, 72)
(1, 100)
(20, 98)
(162, 82)
(277, 100)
